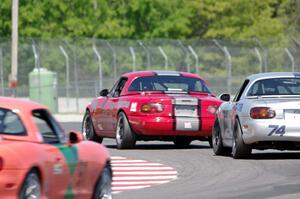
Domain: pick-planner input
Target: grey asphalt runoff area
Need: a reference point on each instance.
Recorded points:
(266, 174)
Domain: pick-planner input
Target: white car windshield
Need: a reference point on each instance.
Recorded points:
(275, 86)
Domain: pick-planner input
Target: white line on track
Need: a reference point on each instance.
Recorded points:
(144, 172)
(129, 187)
(143, 177)
(142, 168)
(117, 157)
(137, 164)
(140, 182)
(131, 174)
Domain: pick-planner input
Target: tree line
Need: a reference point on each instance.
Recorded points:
(147, 19)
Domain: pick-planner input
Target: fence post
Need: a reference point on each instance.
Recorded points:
(187, 55)
(114, 59)
(67, 74)
(229, 72)
(265, 55)
(75, 75)
(298, 44)
(229, 65)
(37, 66)
(13, 77)
(291, 58)
(147, 54)
(259, 59)
(1, 71)
(133, 58)
(165, 56)
(100, 65)
(76, 81)
(196, 59)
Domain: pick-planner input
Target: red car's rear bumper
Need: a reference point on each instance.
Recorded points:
(164, 126)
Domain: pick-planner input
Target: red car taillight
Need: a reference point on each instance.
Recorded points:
(262, 113)
(152, 108)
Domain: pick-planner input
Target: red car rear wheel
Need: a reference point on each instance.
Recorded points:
(125, 137)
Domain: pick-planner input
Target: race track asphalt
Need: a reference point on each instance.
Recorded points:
(266, 174)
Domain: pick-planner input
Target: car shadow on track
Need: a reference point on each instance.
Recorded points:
(275, 156)
(268, 156)
(161, 147)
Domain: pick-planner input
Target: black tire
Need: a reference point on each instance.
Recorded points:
(102, 188)
(88, 130)
(31, 187)
(239, 148)
(182, 142)
(217, 143)
(125, 137)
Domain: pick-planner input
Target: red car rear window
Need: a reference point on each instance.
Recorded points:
(168, 83)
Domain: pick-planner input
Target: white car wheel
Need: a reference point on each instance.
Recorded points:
(239, 148)
(217, 143)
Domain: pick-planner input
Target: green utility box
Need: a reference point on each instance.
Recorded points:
(43, 87)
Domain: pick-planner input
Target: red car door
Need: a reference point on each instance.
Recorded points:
(99, 115)
(112, 107)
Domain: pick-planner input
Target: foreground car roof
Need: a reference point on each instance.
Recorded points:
(273, 75)
(24, 109)
(20, 104)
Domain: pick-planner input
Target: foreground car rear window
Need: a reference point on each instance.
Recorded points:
(275, 86)
(168, 83)
(10, 123)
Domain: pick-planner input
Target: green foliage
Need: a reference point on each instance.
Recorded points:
(5, 22)
(142, 19)
(238, 19)
(273, 22)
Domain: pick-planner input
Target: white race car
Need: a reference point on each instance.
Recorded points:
(264, 114)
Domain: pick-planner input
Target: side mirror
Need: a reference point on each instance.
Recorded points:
(74, 137)
(225, 97)
(104, 92)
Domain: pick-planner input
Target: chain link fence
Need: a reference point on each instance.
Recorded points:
(84, 66)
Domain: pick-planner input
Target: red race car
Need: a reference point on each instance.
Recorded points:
(38, 160)
(152, 105)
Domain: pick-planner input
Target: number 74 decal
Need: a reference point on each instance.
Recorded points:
(277, 129)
